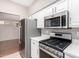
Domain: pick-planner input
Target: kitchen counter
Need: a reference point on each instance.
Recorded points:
(35, 52)
(73, 49)
(40, 38)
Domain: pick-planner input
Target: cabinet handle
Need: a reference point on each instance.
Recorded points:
(55, 9)
(33, 43)
(70, 20)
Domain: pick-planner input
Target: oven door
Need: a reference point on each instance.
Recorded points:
(43, 54)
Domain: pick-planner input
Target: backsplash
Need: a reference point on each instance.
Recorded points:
(75, 32)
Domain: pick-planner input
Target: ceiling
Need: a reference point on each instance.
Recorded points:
(26, 3)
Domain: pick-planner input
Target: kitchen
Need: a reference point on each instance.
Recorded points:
(41, 23)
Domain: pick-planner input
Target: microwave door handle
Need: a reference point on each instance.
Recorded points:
(60, 22)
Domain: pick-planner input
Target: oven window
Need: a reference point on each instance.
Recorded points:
(44, 55)
(55, 22)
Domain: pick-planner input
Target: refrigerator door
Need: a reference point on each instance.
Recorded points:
(31, 31)
(22, 39)
(28, 30)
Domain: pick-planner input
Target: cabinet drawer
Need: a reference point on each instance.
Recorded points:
(34, 42)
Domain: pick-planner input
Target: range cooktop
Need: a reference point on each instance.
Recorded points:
(57, 43)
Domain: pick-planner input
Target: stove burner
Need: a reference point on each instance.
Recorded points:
(57, 43)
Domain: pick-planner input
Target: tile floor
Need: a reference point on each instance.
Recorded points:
(14, 55)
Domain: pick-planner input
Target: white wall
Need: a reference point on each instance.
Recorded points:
(73, 31)
(39, 4)
(13, 8)
(9, 32)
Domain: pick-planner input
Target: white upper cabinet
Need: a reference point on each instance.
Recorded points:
(40, 23)
(74, 12)
(50, 10)
(61, 6)
(40, 19)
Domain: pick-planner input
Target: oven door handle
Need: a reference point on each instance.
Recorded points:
(51, 54)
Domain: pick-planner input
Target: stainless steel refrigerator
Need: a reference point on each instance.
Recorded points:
(28, 29)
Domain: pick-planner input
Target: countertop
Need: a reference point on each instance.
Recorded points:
(73, 49)
(39, 38)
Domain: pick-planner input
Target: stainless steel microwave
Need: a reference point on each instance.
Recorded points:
(59, 20)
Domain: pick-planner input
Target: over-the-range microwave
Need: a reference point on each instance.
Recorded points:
(59, 20)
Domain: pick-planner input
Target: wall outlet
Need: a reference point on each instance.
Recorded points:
(52, 34)
(47, 32)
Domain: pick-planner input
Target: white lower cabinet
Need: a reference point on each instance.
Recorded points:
(34, 49)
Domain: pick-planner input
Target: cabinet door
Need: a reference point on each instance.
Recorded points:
(40, 19)
(50, 10)
(74, 12)
(40, 23)
(34, 50)
(61, 6)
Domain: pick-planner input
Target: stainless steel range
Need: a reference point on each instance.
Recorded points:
(55, 46)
